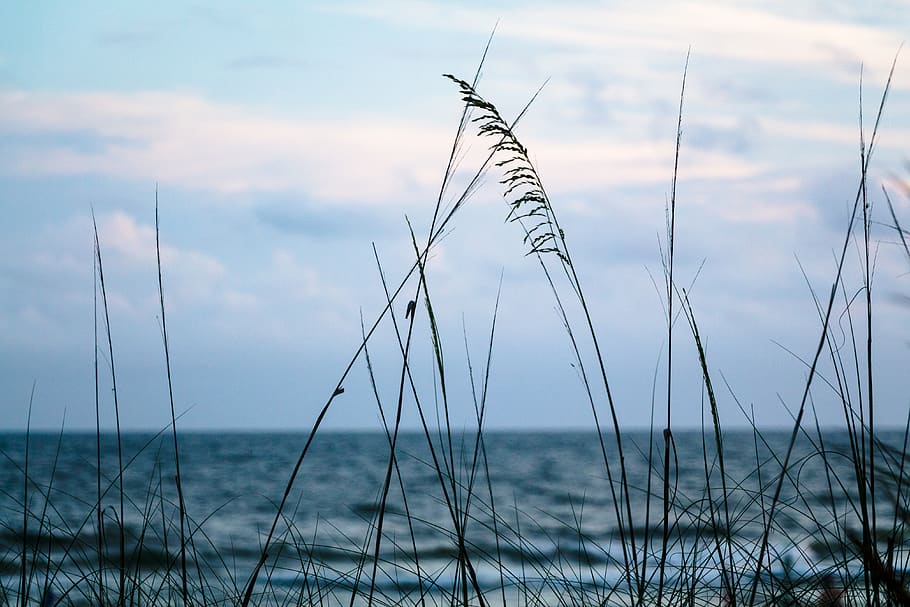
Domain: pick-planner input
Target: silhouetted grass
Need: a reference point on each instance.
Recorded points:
(765, 537)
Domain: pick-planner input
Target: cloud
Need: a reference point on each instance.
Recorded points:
(594, 164)
(811, 130)
(285, 301)
(134, 244)
(58, 260)
(636, 32)
(190, 142)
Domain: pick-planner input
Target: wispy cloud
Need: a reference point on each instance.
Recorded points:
(201, 291)
(635, 32)
(133, 244)
(59, 259)
(197, 144)
(190, 142)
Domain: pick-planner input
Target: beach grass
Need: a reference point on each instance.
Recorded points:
(719, 543)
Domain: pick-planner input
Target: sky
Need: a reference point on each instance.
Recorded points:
(284, 141)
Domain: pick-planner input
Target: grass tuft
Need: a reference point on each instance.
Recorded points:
(812, 517)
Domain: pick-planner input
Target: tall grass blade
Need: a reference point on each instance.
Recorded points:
(668, 436)
(110, 344)
(181, 504)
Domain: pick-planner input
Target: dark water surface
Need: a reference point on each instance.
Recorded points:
(555, 515)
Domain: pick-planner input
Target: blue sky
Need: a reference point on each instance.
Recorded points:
(285, 139)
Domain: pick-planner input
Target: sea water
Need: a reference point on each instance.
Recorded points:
(539, 513)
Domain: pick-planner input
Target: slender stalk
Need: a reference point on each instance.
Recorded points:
(23, 585)
(869, 532)
(110, 344)
(170, 392)
(668, 436)
(99, 521)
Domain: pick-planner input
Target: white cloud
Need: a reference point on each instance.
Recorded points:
(188, 141)
(827, 132)
(191, 142)
(283, 303)
(592, 164)
(61, 255)
(133, 243)
(634, 33)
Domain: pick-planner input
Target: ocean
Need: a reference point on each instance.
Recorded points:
(537, 512)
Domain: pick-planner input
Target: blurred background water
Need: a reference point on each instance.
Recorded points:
(555, 515)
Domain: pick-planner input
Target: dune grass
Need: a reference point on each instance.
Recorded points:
(718, 543)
